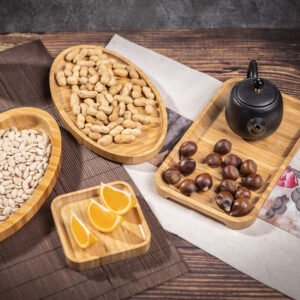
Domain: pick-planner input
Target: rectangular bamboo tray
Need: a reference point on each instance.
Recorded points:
(131, 238)
(272, 155)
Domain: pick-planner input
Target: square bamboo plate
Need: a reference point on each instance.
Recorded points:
(131, 238)
(271, 155)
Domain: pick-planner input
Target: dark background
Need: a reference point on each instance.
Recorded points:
(97, 15)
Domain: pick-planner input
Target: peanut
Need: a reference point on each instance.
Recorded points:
(118, 129)
(122, 108)
(76, 109)
(99, 87)
(74, 99)
(72, 80)
(121, 72)
(105, 140)
(113, 124)
(81, 55)
(127, 115)
(94, 51)
(87, 63)
(100, 129)
(126, 99)
(124, 138)
(101, 116)
(115, 89)
(148, 92)
(84, 108)
(94, 79)
(83, 71)
(92, 111)
(142, 119)
(68, 69)
(89, 102)
(132, 109)
(87, 94)
(129, 124)
(83, 80)
(72, 54)
(136, 91)
(60, 78)
(132, 72)
(80, 121)
(119, 66)
(134, 131)
(140, 82)
(95, 136)
(126, 89)
(149, 109)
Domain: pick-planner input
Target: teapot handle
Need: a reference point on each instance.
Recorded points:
(252, 71)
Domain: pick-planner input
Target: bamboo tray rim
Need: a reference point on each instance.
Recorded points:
(54, 165)
(64, 235)
(77, 133)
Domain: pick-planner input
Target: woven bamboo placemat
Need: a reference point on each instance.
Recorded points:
(32, 263)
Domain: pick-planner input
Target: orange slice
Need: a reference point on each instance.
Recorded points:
(118, 201)
(82, 235)
(102, 218)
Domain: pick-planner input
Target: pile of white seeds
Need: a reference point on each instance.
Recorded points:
(24, 157)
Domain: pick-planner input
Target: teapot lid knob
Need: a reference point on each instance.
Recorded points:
(258, 84)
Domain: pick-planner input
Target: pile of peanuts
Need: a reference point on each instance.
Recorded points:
(110, 100)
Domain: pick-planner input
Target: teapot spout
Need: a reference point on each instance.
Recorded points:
(252, 71)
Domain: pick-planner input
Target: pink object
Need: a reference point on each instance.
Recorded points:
(288, 179)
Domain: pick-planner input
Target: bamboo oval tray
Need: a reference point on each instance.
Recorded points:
(33, 118)
(142, 149)
(271, 154)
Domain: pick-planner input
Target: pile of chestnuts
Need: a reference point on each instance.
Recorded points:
(186, 166)
(232, 197)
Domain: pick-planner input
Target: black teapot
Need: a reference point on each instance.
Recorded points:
(254, 109)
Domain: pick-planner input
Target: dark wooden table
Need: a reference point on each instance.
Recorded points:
(222, 54)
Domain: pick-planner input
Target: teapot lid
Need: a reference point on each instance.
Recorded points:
(254, 91)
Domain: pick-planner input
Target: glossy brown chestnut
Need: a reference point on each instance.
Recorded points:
(228, 185)
(187, 187)
(203, 182)
(224, 200)
(240, 207)
(223, 147)
(233, 160)
(243, 192)
(171, 176)
(186, 166)
(214, 160)
(230, 172)
(187, 149)
(248, 167)
(254, 181)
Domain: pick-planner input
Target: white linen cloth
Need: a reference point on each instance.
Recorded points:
(262, 251)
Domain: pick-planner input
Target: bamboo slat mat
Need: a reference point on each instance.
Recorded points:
(32, 263)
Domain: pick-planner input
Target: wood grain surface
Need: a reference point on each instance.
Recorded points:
(223, 54)
(271, 154)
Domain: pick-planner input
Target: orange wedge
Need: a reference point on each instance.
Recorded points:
(102, 218)
(82, 235)
(118, 201)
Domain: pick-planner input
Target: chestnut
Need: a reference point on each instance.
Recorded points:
(248, 167)
(223, 147)
(187, 187)
(240, 207)
(254, 181)
(232, 159)
(203, 182)
(187, 149)
(214, 160)
(224, 200)
(186, 166)
(228, 185)
(243, 192)
(171, 176)
(230, 172)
